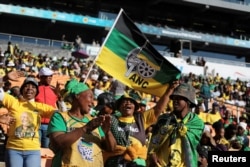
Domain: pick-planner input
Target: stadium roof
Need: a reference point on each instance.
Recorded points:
(213, 16)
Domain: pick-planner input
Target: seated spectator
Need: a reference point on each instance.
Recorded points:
(241, 137)
(216, 93)
(244, 118)
(231, 132)
(214, 114)
(207, 141)
(228, 119)
(203, 157)
(219, 135)
(200, 112)
(222, 108)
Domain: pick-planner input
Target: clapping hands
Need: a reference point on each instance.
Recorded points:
(103, 120)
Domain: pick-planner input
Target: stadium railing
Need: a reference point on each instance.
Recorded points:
(59, 44)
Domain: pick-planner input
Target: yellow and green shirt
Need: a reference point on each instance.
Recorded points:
(86, 151)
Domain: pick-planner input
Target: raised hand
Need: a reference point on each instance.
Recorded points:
(57, 91)
(7, 119)
(172, 86)
(15, 75)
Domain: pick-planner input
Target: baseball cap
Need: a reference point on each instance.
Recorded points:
(30, 80)
(45, 71)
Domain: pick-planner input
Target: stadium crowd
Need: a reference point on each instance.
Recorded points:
(65, 83)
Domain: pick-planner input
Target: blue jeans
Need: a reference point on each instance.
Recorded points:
(17, 158)
(44, 140)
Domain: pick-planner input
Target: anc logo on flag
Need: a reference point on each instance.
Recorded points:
(136, 61)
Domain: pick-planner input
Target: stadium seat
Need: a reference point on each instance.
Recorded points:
(46, 157)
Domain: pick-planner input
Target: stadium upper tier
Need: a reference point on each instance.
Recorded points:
(214, 14)
(53, 48)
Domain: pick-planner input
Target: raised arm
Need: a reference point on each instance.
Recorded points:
(163, 101)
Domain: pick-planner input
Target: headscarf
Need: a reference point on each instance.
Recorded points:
(73, 87)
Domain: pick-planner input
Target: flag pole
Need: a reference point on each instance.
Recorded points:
(116, 20)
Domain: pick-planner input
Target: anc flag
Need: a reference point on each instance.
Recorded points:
(128, 56)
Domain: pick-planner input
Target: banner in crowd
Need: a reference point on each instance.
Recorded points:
(129, 57)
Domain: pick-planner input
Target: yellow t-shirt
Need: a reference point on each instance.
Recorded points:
(212, 118)
(203, 116)
(23, 134)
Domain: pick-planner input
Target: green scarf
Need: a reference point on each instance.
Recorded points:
(190, 129)
(75, 87)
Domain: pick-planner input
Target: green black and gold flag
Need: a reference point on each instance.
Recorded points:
(128, 56)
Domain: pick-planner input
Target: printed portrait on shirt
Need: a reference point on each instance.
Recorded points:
(27, 127)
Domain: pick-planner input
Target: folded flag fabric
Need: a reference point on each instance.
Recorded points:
(128, 56)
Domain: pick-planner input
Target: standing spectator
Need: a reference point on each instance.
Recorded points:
(10, 49)
(76, 138)
(129, 130)
(78, 42)
(48, 95)
(65, 44)
(11, 66)
(205, 93)
(177, 134)
(23, 148)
